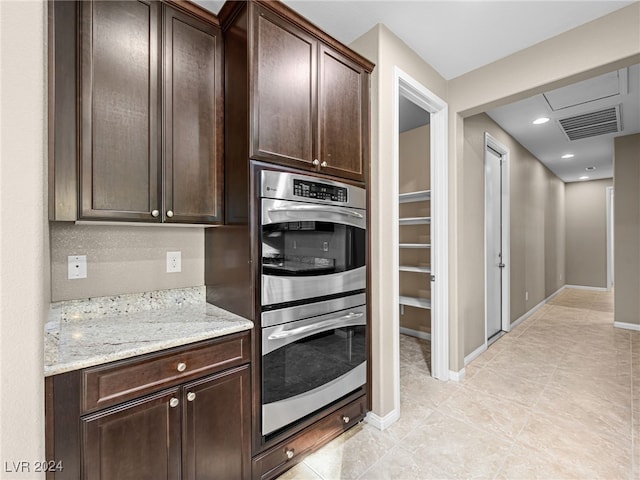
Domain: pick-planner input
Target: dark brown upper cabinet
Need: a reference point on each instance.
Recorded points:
(149, 107)
(305, 95)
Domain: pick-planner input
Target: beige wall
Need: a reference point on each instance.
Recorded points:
(600, 46)
(537, 233)
(23, 254)
(586, 223)
(124, 259)
(386, 50)
(626, 172)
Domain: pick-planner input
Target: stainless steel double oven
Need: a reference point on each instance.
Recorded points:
(313, 278)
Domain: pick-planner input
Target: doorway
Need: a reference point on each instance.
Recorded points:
(496, 198)
(406, 87)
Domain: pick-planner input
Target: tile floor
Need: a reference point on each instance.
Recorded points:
(558, 397)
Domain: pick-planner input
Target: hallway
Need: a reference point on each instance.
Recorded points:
(558, 397)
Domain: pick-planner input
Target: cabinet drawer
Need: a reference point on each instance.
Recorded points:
(117, 382)
(283, 456)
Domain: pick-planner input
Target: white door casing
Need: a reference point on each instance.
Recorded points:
(406, 86)
(497, 228)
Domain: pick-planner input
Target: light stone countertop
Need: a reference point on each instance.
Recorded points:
(85, 333)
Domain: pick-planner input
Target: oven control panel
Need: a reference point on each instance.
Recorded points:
(320, 191)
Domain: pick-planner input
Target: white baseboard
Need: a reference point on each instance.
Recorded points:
(415, 333)
(627, 326)
(537, 307)
(456, 376)
(584, 287)
(382, 423)
(475, 354)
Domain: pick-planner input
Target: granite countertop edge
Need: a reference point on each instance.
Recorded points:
(81, 335)
(69, 366)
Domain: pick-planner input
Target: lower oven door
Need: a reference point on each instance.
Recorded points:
(310, 363)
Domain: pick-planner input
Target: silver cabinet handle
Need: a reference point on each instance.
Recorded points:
(191, 396)
(345, 419)
(316, 162)
(174, 402)
(169, 213)
(155, 213)
(323, 164)
(290, 452)
(182, 367)
(313, 327)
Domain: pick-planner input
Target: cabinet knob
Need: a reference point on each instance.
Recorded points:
(323, 164)
(174, 402)
(169, 213)
(289, 453)
(182, 367)
(191, 396)
(155, 213)
(345, 419)
(316, 162)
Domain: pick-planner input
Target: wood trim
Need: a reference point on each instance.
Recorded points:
(62, 110)
(288, 14)
(232, 8)
(229, 11)
(193, 9)
(65, 413)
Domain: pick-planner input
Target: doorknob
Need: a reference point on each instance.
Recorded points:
(501, 265)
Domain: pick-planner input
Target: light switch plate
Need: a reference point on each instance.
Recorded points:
(76, 267)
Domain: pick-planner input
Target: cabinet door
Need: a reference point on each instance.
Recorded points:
(343, 99)
(139, 440)
(216, 428)
(119, 167)
(283, 98)
(193, 109)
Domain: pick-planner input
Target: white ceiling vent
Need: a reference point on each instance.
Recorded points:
(592, 124)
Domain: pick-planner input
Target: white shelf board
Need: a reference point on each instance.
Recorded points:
(410, 268)
(415, 302)
(420, 196)
(415, 221)
(415, 245)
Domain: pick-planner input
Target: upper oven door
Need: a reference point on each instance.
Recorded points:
(311, 250)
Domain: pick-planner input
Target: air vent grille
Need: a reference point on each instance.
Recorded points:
(592, 124)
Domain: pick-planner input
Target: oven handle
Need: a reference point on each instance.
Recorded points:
(319, 208)
(316, 326)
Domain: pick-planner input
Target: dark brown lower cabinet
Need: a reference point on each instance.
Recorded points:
(198, 431)
(194, 425)
(216, 428)
(139, 440)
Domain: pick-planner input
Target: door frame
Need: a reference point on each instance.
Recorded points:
(491, 142)
(610, 192)
(411, 89)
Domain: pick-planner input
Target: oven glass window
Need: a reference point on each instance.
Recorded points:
(311, 362)
(306, 248)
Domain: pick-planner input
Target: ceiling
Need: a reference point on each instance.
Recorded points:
(617, 93)
(470, 34)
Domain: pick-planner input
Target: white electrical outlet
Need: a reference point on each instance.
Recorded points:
(76, 267)
(174, 262)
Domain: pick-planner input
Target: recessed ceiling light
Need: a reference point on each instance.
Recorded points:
(584, 177)
(568, 155)
(540, 121)
(590, 169)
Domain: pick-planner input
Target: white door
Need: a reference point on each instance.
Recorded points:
(493, 225)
